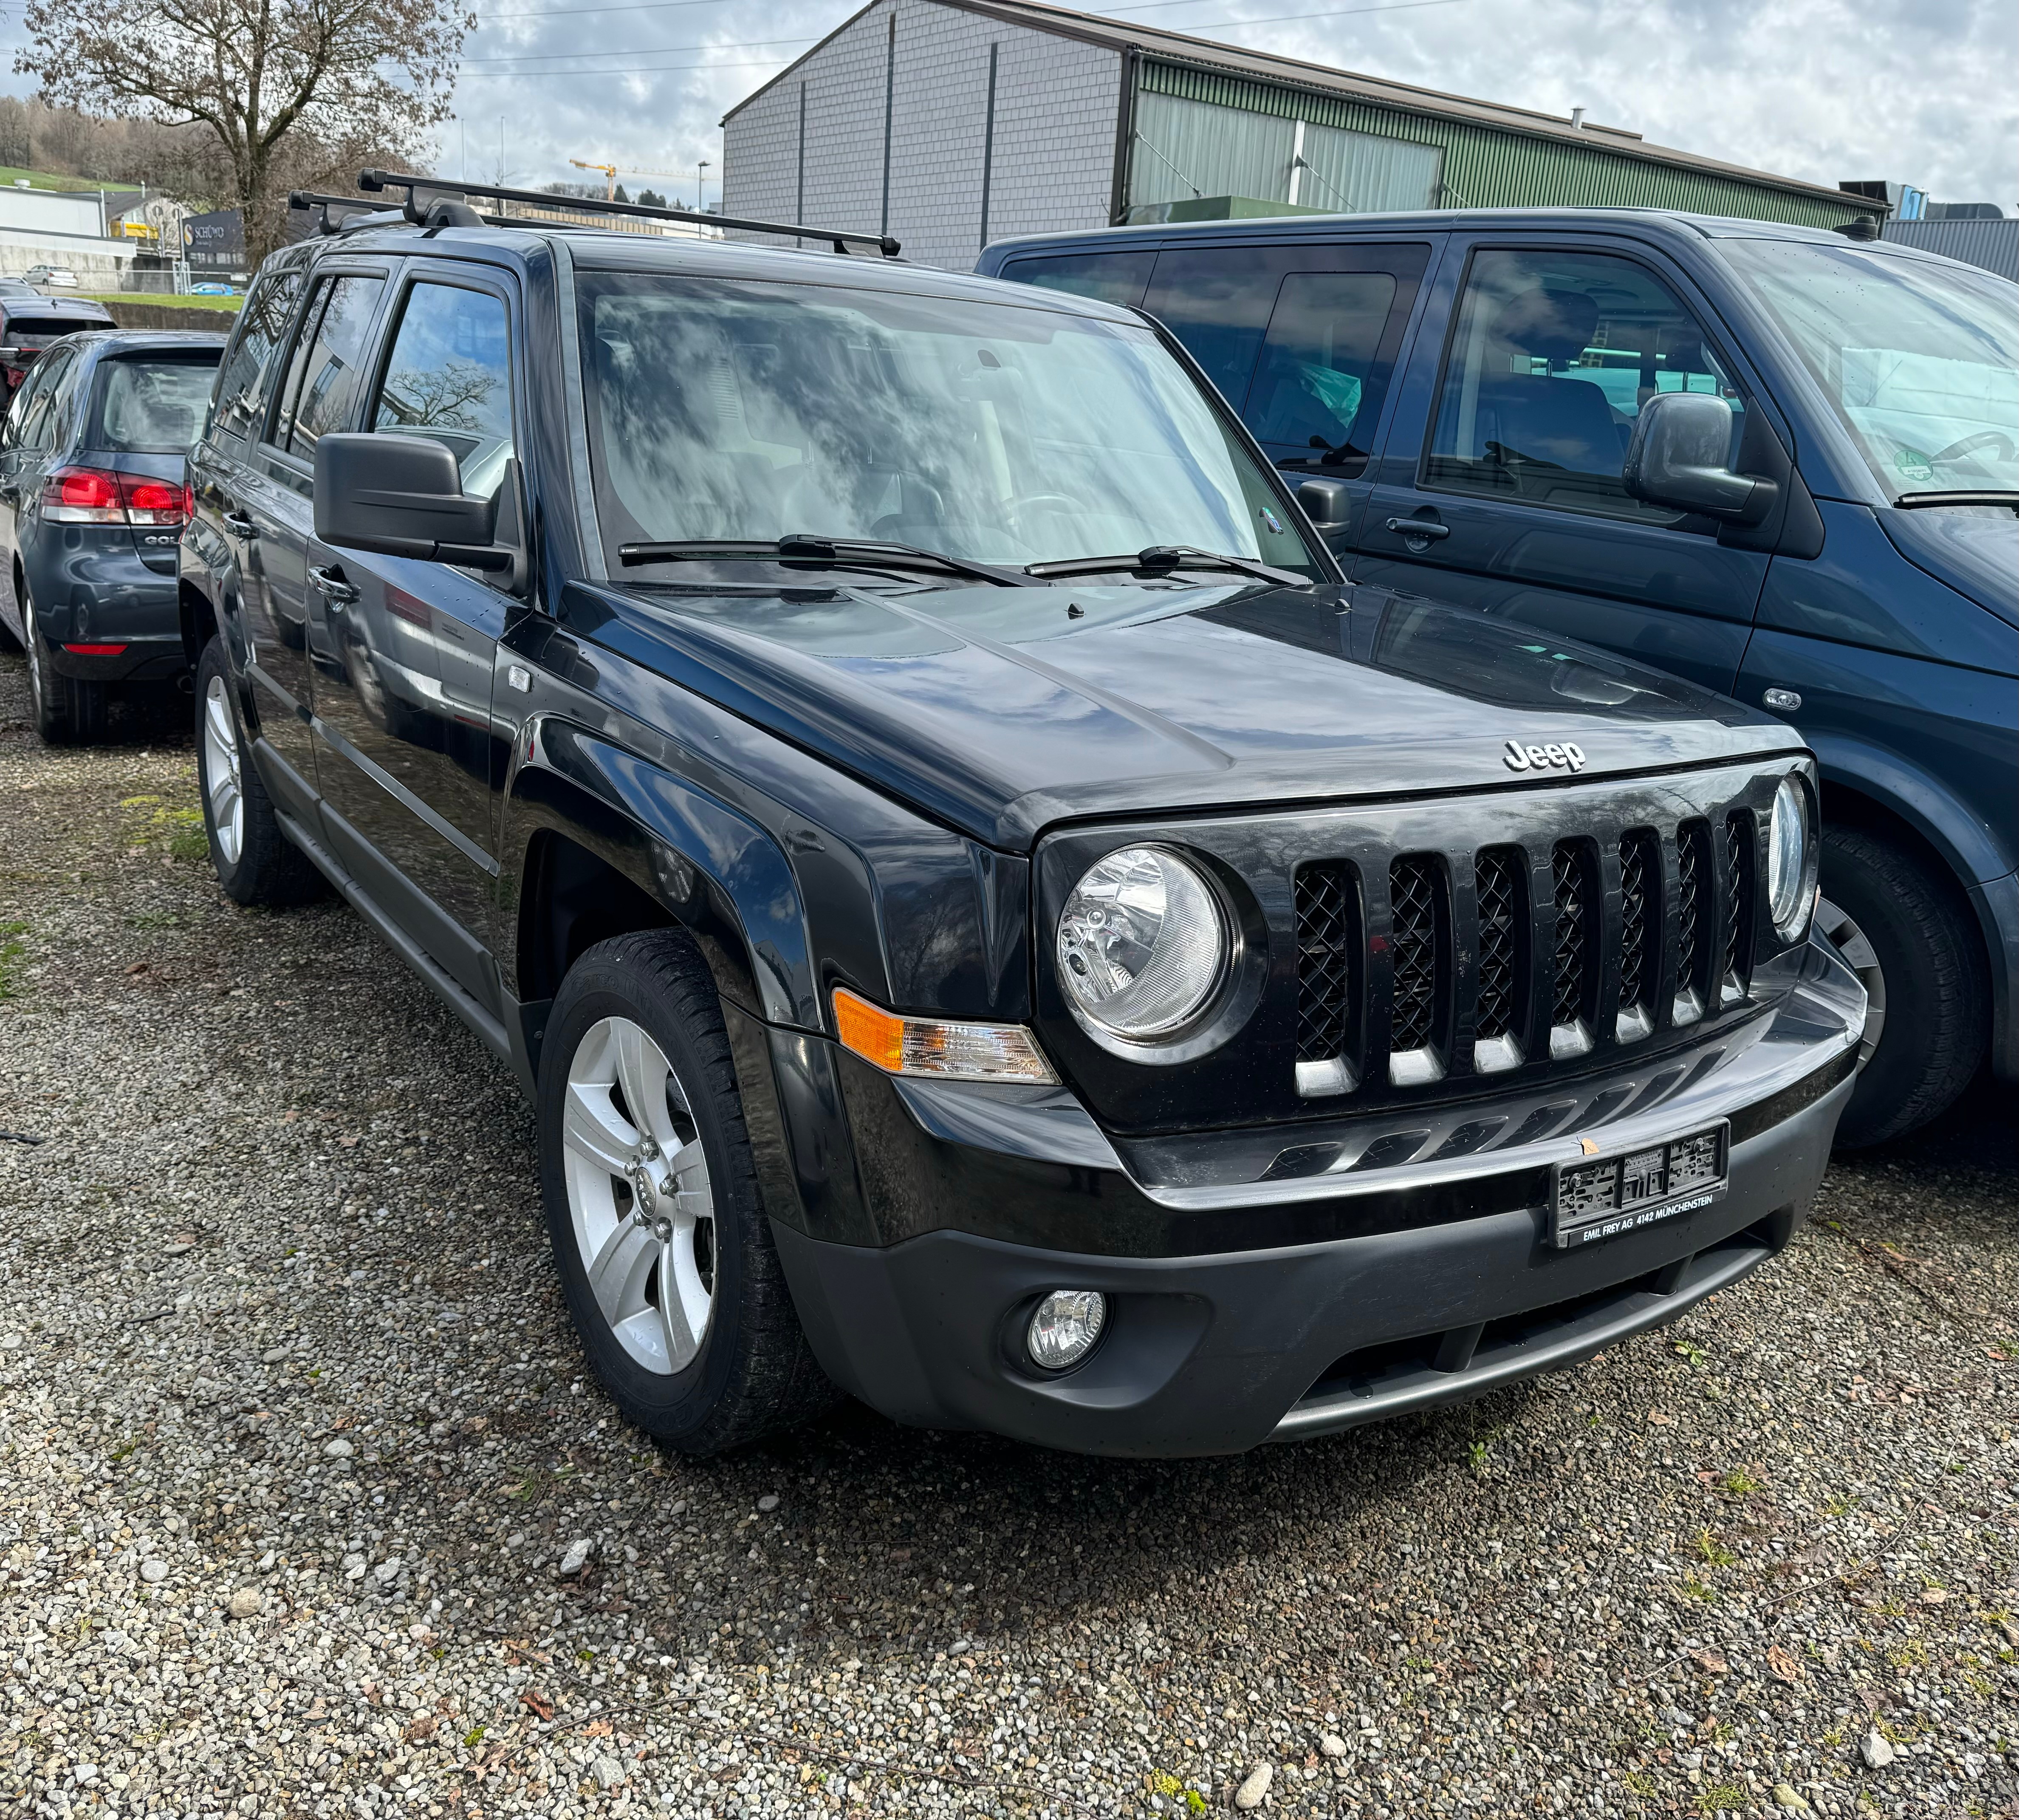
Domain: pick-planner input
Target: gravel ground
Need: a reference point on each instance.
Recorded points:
(307, 1508)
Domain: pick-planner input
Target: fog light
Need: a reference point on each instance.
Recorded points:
(1065, 1327)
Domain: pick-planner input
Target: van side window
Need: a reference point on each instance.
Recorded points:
(241, 398)
(1551, 357)
(449, 376)
(322, 379)
(1216, 300)
(1108, 277)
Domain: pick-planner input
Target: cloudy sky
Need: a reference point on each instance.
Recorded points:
(1822, 90)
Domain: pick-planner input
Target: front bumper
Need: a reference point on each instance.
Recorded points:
(1431, 1283)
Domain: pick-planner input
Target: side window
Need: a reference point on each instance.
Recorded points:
(1216, 300)
(49, 373)
(1108, 277)
(22, 408)
(449, 376)
(322, 379)
(1328, 357)
(1551, 357)
(240, 397)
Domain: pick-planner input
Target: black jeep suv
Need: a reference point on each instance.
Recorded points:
(991, 921)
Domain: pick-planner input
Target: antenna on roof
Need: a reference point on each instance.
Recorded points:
(840, 238)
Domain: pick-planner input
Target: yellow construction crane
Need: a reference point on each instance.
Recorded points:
(610, 174)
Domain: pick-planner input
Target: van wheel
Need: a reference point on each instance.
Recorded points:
(1910, 942)
(254, 860)
(66, 711)
(653, 1207)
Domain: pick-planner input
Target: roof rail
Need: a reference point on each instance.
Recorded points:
(840, 238)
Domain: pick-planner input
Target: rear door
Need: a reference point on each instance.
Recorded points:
(1499, 486)
(406, 757)
(318, 391)
(27, 419)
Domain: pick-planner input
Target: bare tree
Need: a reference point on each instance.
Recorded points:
(269, 79)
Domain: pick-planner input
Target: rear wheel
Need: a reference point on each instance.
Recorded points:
(67, 711)
(254, 860)
(1912, 943)
(652, 1203)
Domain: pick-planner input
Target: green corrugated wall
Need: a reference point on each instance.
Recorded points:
(1484, 168)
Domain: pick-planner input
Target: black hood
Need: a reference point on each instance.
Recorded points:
(1004, 711)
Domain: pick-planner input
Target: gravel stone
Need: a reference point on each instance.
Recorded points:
(339, 1448)
(245, 1603)
(1498, 1610)
(153, 1571)
(575, 1558)
(1255, 1790)
(1873, 1748)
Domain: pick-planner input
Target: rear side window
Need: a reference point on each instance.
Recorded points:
(322, 378)
(28, 424)
(1108, 277)
(242, 395)
(152, 406)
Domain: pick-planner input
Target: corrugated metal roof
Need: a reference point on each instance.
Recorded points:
(1992, 245)
(1370, 91)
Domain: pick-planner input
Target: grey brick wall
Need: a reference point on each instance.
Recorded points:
(1054, 153)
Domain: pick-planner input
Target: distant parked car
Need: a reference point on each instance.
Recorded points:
(213, 290)
(52, 278)
(31, 324)
(93, 497)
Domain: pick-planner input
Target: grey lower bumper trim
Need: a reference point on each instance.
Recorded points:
(1633, 1311)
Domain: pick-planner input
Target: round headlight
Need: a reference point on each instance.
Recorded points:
(1141, 943)
(1790, 878)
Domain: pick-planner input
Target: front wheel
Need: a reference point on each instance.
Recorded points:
(1912, 943)
(653, 1207)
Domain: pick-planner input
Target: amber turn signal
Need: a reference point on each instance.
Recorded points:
(952, 1051)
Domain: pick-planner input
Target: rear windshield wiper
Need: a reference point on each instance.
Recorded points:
(841, 552)
(1163, 558)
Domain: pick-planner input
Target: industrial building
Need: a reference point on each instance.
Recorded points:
(950, 123)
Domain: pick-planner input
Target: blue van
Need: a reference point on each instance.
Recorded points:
(1771, 459)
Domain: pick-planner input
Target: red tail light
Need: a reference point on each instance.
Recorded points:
(98, 496)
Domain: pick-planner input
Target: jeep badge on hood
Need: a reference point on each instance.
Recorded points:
(1544, 758)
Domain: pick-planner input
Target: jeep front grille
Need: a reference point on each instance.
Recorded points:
(1641, 929)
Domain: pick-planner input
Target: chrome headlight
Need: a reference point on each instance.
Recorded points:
(1791, 861)
(1142, 943)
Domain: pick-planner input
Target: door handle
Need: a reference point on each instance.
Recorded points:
(237, 521)
(334, 588)
(1418, 533)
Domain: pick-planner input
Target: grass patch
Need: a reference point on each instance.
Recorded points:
(10, 175)
(12, 948)
(168, 301)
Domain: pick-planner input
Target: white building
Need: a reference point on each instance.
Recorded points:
(56, 228)
(950, 123)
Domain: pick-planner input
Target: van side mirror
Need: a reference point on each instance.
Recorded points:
(1677, 459)
(1326, 503)
(401, 495)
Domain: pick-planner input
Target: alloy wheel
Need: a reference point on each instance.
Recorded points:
(639, 1200)
(221, 781)
(31, 641)
(1862, 958)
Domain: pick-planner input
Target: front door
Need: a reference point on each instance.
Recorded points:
(1500, 485)
(403, 701)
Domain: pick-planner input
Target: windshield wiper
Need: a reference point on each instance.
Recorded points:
(1977, 496)
(840, 552)
(1161, 559)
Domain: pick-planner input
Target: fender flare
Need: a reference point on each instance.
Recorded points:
(1967, 845)
(721, 876)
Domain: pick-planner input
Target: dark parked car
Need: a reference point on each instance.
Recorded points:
(987, 919)
(1817, 515)
(30, 324)
(93, 497)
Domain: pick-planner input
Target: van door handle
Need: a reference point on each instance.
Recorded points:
(237, 521)
(334, 588)
(1416, 531)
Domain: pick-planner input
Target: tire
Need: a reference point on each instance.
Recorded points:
(66, 711)
(636, 1234)
(1903, 931)
(255, 861)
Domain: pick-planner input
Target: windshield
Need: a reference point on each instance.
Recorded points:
(1920, 360)
(994, 432)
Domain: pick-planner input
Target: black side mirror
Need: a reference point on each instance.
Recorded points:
(1677, 459)
(1326, 503)
(401, 495)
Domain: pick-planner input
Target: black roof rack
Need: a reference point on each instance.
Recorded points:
(840, 238)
